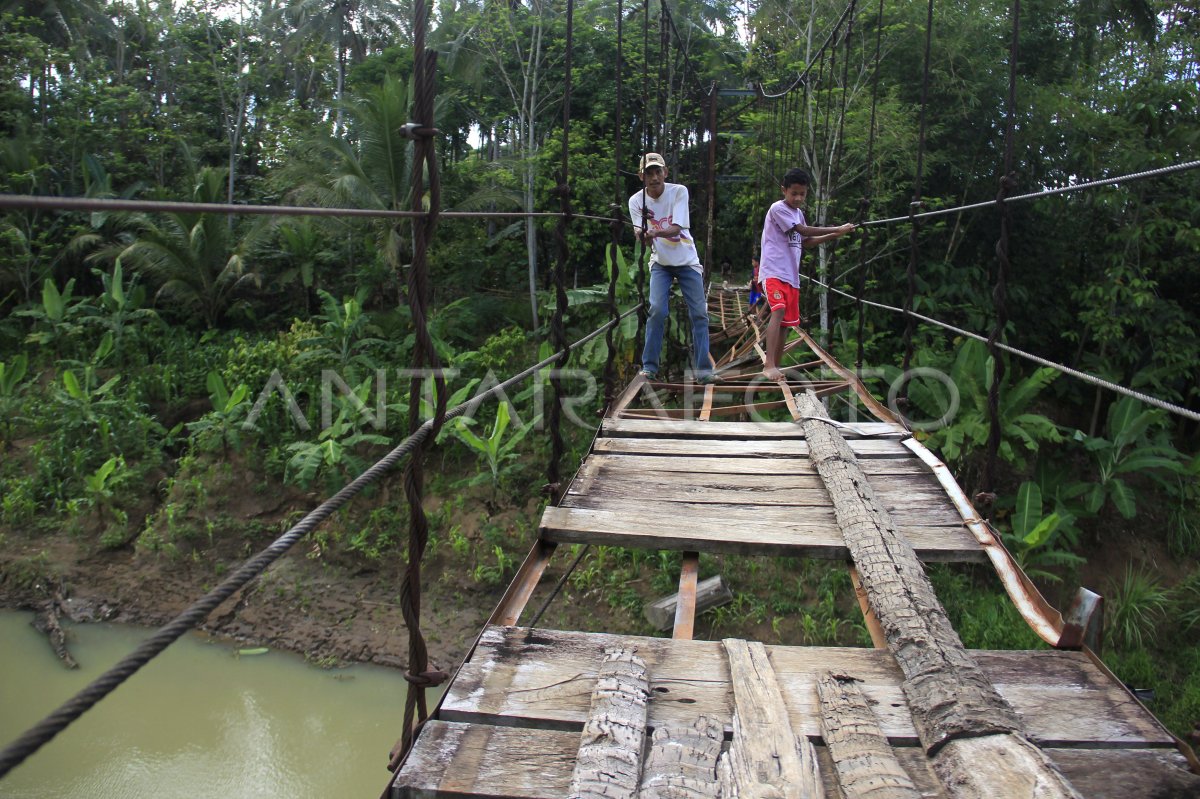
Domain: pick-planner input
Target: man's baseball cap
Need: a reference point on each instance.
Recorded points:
(651, 159)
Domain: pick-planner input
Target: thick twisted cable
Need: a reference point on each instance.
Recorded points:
(1178, 410)
(1149, 173)
(42, 732)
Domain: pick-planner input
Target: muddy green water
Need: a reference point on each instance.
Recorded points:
(197, 722)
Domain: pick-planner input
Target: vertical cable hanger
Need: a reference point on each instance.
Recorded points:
(987, 494)
(865, 203)
(913, 208)
(610, 370)
(835, 169)
(558, 334)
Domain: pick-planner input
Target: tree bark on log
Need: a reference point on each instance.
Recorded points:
(609, 762)
(866, 765)
(47, 622)
(948, 695)
(682, 761)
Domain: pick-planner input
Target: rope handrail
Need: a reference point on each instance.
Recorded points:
(173, 206)
(1178, 410)
(42, 732)
(1166, 170)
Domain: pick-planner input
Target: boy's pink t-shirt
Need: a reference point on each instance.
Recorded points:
(780, 246)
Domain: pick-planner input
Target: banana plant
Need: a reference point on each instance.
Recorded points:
(11, 375)
(119, 307)
(223, 421)
(334, 452)
(1127, 450)
(966, 429)
(1035, 535)
(56, 319)
(495, 448)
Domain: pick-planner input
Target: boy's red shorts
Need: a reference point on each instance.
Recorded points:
(787, 297)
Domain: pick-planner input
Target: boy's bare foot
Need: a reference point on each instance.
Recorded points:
(771, 373)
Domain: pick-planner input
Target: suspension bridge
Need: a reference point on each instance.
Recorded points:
(536, 712)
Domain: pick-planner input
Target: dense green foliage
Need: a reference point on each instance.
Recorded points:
(186, 350)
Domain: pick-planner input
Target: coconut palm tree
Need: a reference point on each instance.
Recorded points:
(193, 259)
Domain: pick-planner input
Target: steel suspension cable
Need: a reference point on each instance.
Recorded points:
(89, 204)
(45, 730)
(1148, 173)
(1178, 410)
(803, 76)
(418, 674)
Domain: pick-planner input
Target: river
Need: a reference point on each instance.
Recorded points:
(199, 721)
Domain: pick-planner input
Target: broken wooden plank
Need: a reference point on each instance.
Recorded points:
(866, 765)
(710, 593)
(766, 758)
(609, 762)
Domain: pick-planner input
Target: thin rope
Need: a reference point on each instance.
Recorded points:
(45, 730)
(1178, 410)
(558, 587)
(641, 273)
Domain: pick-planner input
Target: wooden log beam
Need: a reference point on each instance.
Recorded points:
(47, 622)
(682, 761)
(766, 759)
(608, 765)
(949, 695)
(866, 765)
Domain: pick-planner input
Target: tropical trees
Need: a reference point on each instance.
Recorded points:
(193, 259)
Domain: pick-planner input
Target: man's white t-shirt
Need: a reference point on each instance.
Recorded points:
(670, 208)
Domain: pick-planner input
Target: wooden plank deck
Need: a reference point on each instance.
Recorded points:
(510, 723)
(543, 678)
(744, 488)
(453, 759)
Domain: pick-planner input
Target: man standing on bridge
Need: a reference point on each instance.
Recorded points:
(659, 212)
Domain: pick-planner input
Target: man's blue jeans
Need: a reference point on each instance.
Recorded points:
(692, 286)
